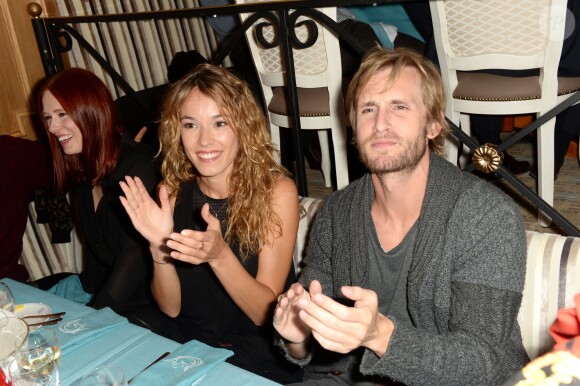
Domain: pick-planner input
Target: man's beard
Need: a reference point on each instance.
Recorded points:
(407, 160)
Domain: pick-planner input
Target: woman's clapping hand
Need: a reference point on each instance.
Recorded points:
(154, 222)
(198, 247)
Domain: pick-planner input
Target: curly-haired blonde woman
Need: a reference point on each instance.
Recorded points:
(223, 236)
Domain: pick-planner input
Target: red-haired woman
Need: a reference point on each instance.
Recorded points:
(90, 156)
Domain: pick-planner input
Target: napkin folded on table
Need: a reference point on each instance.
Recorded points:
(185, 365)
(89, 326)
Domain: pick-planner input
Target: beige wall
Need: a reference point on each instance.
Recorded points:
(20, 66)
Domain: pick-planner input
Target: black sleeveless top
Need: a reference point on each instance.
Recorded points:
(204, 301)
(208, 314)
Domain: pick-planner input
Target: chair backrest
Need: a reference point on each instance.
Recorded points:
(474, 31)
(494, 34)
(318, 75)
(315, 66)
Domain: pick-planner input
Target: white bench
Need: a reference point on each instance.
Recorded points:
(552, 272)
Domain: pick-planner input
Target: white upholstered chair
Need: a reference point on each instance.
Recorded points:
(319, 81)
(473, 35)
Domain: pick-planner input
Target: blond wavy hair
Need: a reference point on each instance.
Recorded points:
(432, 87)
(251, 218)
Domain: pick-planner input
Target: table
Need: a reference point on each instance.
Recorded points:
(135, 350)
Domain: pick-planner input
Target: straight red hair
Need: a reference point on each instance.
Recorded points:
(88, 102)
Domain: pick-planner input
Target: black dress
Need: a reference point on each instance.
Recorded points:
(208, 314)
(117, 262)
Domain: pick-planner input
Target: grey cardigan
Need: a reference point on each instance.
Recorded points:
(464, 287)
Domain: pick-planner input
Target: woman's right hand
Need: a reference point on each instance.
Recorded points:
(155, 223)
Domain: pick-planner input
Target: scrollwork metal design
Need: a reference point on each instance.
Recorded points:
(65, 43)
(310, 26)
(293, 24)
(273, 22)
(67, 32)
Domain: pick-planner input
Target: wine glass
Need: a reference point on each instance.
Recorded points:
(6, 298)
(11, 331)
(109, 375)
(37, 359)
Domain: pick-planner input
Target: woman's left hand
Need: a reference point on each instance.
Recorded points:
(197, 247)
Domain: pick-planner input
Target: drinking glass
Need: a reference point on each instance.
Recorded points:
(6, 298)
(109, 375)
(11, 331)
(37, 359)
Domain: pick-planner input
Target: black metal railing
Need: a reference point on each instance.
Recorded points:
(54, 36)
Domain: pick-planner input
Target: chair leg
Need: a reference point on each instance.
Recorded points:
(452, 143)
(275, 134)
(546, 168)
(465, 126)
(325, 164)
(340, 156)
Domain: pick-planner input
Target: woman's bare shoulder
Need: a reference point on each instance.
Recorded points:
(285, 187)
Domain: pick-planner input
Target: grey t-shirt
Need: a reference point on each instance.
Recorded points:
(388, 271)
(388, 274)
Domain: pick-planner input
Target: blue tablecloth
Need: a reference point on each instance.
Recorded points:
(126, 345)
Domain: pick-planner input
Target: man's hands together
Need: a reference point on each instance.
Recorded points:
(335, 326)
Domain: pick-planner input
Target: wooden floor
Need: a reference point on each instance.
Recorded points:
(566, 192)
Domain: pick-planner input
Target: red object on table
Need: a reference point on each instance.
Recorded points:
(566, 329)
(4, 381)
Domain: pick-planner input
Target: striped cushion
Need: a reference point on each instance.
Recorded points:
(308, 208)
(552, 280)
(42, 258)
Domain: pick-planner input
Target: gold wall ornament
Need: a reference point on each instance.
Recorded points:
(486, 158)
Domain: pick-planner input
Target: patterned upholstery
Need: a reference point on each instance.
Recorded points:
(42, 258)
(470, 33)
(552, 278)
(308, 208)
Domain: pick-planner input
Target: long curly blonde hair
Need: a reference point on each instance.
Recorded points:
(251, 218)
